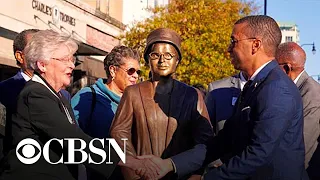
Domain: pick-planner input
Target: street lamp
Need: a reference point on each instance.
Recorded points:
(313, 47)
(265, 7)
(317, 76)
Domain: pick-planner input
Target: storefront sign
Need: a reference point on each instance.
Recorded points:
(53, 12)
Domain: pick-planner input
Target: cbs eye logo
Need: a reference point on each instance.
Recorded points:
(27, 150)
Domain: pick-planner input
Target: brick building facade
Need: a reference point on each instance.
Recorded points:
(96, 24)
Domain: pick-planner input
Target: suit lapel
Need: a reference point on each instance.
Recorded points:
(18, 76)
(302, 80)
(68, 106)
(264, 72)
(176, 106)
(20, 81)
(235, 81)
(261, 76)
(147, 98)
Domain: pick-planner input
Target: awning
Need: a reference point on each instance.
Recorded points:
(88, 50)
(92, 67)
(84, 49)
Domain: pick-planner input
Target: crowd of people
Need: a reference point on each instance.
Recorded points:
(262, 123)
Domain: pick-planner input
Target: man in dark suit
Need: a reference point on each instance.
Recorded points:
(264, 138)
(221, 99)
(2, 125)
(291, 58)
(11, 88)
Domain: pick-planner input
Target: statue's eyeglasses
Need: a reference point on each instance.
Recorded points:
(166, 55)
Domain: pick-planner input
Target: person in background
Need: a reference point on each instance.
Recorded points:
(2, 115)
(43, 114)
(292, 58)
(264, 137)
(10, 88)
(2, 127)
(221, 99)
(163, 118)
(94, 107)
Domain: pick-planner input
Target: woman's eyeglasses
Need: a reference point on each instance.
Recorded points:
(66, 60)
(131, 71)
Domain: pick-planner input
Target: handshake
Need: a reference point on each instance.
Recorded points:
(149, 166)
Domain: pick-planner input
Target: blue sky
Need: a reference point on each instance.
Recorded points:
(304, 13)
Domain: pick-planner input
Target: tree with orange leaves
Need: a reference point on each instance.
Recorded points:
(205, 27)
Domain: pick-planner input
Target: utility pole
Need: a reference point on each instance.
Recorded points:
(265, 7)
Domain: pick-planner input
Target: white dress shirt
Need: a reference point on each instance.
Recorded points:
(25, 76)
(297, 78)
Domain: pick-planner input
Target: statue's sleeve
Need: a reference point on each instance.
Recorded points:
(122, 123)
(202, 108)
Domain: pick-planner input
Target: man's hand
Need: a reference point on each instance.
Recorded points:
(216, 163)
(131, 162)
(163, 165)
(144, 167)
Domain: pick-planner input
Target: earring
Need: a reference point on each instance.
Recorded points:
(112, 78)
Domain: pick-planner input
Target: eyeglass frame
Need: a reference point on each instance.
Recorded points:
(160, 55)
(65, 61)
(128, 71)
(233, 41)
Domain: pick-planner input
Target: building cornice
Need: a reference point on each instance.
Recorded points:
(105, 17)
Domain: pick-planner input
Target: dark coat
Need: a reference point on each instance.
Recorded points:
(40, 116)
(220, 100)
(9, 91)
(309, 90)
(264, 138)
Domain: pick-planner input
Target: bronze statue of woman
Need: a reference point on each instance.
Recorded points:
(162, 117)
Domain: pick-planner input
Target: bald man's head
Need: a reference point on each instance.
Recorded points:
(291, 53)
(291, 58)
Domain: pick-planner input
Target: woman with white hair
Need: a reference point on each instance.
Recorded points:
(43, 114)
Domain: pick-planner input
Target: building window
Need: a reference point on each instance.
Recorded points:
(102, 6)
(288, 38)
(98, 5)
